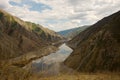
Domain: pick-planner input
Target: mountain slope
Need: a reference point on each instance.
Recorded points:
(98, 47)
(64, 32)
(18, 37)
(70, 33)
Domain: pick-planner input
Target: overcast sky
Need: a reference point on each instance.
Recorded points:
(61, 14)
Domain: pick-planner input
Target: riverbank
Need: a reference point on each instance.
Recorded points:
(52, 63)
(14, 69)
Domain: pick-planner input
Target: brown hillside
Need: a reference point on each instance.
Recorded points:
(18, 37)
(98, 47)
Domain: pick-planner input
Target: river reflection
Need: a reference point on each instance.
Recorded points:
(51, 62)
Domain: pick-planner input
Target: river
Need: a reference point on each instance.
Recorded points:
(50, 64)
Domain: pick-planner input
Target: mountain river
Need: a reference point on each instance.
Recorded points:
(50, 64)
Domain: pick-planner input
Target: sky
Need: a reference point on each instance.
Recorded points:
(61, 14)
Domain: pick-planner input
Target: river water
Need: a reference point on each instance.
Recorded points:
(50, 63)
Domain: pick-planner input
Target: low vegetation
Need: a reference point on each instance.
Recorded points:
(80, 76)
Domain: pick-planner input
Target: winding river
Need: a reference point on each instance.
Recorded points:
(50, 63)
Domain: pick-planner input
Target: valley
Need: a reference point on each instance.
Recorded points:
(52, 63)
(78, 49)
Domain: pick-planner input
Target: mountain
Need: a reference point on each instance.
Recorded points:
(20, 43)
(70, 33)
(97, 48)
(18, 37)
(64, 32)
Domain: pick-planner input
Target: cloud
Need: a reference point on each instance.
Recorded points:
(63, 26)
(4, 4)
(18, 1)
(61, 14)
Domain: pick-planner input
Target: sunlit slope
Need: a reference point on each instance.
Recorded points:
(18, 37)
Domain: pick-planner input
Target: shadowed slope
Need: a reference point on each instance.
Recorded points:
(98, 47)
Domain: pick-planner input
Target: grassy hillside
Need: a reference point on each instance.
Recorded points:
(81, 77)
(20, 43)
(19, 37)
(97, 48)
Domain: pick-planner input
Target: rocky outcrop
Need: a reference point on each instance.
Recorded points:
(98, 47)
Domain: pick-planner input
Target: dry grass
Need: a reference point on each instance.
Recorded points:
(81, 77)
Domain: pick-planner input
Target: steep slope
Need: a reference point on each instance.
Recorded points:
(98, 47)
(46, 34)
(18, 37)
(70, 33)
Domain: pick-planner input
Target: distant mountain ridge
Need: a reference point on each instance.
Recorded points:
(97, 49)
(70, 33)
(67, 31)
